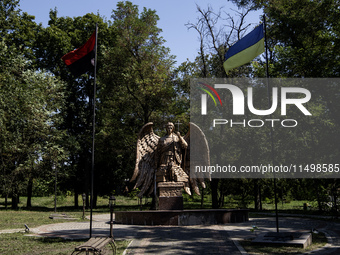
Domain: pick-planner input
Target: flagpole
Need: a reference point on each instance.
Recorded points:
(93, 126)
(271, 127)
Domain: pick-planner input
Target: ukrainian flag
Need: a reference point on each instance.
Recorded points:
(245, 50)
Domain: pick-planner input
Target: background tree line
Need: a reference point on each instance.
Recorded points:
(302, 43)
(46, 117)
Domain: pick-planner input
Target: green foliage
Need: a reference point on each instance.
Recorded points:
(134, 193)
(19, 243)
(254, 229)
(135, 88)
(43, 187)
(31, 102)
(46, 114)
(303, 37)
(137, 68)
(307, 36)
(18, 30)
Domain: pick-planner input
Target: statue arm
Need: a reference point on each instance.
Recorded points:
(183, 143)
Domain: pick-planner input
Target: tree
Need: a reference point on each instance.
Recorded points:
(136, 85)
(138, 65)
(215, 40)
(17, 29)
(303, 36)
(31, 102)
(307, 34)
(61, 36)
(214, 43)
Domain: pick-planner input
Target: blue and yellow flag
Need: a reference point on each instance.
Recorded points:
(245, 50)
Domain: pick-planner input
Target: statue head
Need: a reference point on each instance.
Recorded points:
(170, 127)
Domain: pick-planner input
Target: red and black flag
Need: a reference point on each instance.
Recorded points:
(81, 60)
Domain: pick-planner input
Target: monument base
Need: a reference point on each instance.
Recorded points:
(170, 195)
(182, 217)
(170, 203)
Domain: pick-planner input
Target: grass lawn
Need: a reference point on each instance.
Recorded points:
(43, 207)
(19, 243)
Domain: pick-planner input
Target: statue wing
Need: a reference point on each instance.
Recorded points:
(198, 144)
(145, 159)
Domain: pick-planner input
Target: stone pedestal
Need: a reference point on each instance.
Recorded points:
(182, 217)
(170, 195)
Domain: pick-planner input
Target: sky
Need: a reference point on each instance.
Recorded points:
(174, 14)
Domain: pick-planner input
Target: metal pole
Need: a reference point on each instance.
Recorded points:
(55, 190)
(84, 198)
(111, 221)
(112, 203)
(271, 127)
(93, 127)
(266, 49)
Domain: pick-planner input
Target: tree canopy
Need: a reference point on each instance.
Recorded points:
(46, 113)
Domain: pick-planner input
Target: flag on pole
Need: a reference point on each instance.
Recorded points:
(81, 60)
(245, 50)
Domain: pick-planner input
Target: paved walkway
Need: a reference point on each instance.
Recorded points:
(216, 239)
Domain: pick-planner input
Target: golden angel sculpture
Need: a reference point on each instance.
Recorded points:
(167, 159)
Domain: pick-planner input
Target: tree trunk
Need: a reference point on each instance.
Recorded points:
(335, 197)
(29, 192)
(6, 200)
(15, 201)
(76, 203)
(317, 185)
(202, 198)
(214, 193)
(95, 196)
(257, 195)
(87, 202)
(260, 197)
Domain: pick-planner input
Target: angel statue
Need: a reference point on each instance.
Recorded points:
(167, 159)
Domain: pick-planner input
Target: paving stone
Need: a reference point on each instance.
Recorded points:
(215, 239)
